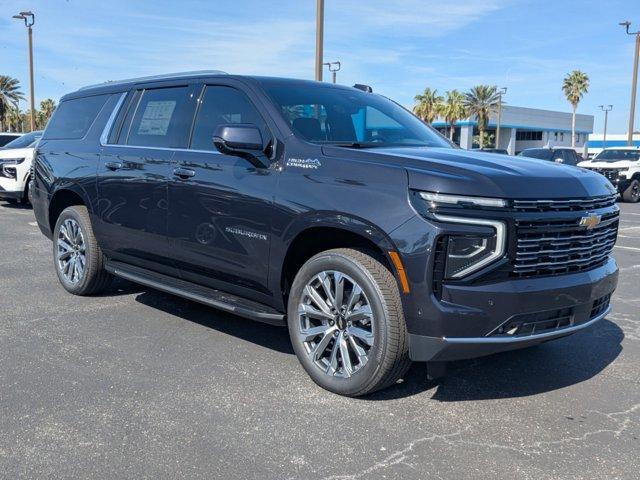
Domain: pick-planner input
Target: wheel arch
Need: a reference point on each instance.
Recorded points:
(321, 232)
(64, 197)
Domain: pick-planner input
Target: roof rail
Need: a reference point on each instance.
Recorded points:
(164, 76)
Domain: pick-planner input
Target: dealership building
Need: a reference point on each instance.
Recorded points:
(597, 141)
(522, 128)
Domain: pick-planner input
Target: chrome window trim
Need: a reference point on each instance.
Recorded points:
(112, 118)
(501, 240)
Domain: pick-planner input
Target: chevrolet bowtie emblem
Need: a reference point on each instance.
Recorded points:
(590, 221)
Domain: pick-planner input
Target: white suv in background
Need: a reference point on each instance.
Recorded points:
(621, 165)
(15, 167)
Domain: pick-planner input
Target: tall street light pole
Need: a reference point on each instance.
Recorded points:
(634, 81)
(319, 38)
(606, 111)
(29, 19)
(501, 92)
(333, 68)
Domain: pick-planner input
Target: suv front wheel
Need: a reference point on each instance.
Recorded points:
(346, 323)
(632, 193)
(76, 254)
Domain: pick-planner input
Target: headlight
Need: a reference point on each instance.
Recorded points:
(469, 253)
(11, 161)
(462, 200)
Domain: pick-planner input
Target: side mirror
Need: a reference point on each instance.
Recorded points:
(241, 140)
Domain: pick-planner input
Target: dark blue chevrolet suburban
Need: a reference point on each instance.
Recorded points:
(329, 209)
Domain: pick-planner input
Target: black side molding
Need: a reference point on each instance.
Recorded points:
(207, 296)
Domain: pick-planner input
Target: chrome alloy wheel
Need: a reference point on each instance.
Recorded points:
(71, 251)
(335, 324)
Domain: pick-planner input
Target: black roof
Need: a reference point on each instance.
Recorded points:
(127, 84)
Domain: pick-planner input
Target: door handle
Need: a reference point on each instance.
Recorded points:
(184, 173)
(113, 165)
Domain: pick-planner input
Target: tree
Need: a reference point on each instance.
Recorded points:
(46, 110)
(14, 119)
(428, 105)
(453, 109)
(10, 94)
(574, 86)
(482, 101)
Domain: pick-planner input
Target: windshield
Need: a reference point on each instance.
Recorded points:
(350, 117)
(540, 153)
(24, 141)
(617, 156)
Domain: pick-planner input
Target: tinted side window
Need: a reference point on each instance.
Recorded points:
(73, 118)
(570, 157)
(539, 153)
(4, 139)
(161, 119)
(219, 106)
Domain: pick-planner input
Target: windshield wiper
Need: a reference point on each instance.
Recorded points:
(370, 144)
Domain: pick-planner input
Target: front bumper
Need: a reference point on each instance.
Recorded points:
(622, 184)
(8, 194)
(425, 349)
(575, 301)
(470, 319)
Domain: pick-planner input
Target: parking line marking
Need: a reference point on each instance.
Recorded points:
(632, 267)
(627, 248)
(630, 213)
(624, 229)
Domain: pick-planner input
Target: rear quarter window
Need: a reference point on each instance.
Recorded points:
(73, 118)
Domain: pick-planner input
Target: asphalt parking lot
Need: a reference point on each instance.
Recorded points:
(141, 384)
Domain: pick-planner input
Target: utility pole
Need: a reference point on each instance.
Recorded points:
(606, 111)
(333, 68)
(319, 38)
(501, 92)
(634, 81)
(29, 19)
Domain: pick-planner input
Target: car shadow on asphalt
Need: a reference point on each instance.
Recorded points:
(520, 373)
(268, 336)
(15, 206)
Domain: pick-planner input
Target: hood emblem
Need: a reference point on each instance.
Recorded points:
(590, 221)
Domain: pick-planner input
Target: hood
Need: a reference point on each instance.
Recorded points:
(618, 164)
(15, 153)
(457, 171)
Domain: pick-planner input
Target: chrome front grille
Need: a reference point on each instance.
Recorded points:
(610, 174)
(551, 247)
(577, 204)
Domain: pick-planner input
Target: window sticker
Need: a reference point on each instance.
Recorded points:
(156, 117)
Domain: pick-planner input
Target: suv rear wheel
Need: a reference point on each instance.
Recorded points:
(346, 323)
(77, 257)
(632, 193)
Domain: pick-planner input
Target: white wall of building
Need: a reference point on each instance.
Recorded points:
(523, 128)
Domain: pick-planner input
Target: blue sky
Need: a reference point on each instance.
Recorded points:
(399, 47)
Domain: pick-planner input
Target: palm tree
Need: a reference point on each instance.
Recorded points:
(46, 110)
(453, 110)
(14, 118)
(428, 105)
(9, 94)
(574, 86)
(482, 101)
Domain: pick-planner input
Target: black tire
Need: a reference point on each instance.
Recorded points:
(388, 358)
(94, 278)
(26, 196)
(632, 193)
